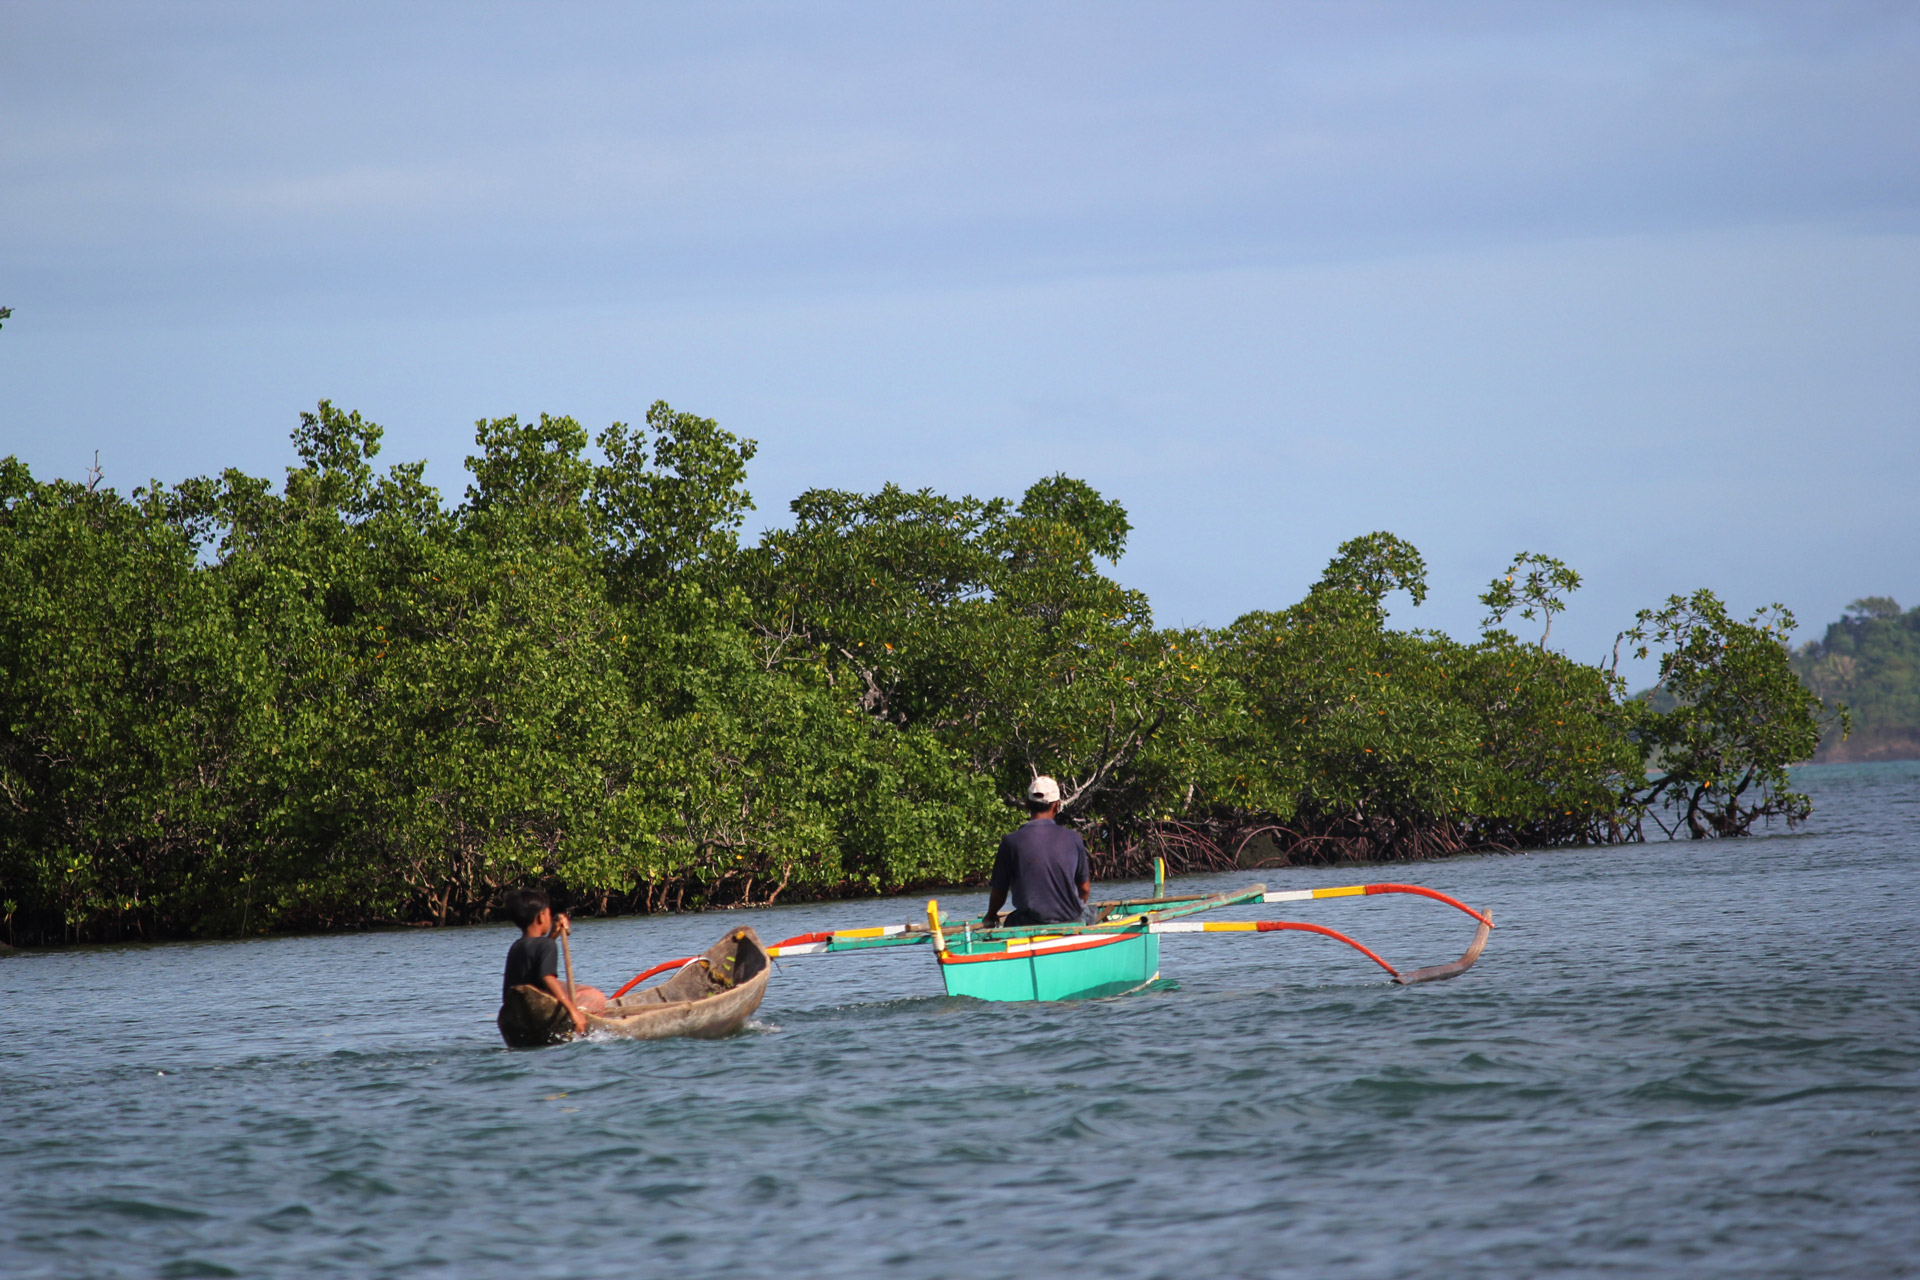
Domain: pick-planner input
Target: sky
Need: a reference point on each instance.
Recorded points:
(1634, 285)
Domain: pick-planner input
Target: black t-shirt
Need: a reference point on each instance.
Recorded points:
(529, 960)
(1044, 864)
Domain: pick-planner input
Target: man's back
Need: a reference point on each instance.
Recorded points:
(1044, 864)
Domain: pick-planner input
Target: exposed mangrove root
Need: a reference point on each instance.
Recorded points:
(1211, 845)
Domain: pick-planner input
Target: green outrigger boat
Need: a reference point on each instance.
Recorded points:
(1119, 952)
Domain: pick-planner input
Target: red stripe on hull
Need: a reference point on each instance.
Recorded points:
(1028, 953)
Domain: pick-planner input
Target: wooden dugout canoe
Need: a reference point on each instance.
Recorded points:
(710, 997)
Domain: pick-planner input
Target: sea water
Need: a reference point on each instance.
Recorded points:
(1691, 1059)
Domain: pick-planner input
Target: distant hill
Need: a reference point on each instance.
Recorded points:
(1870, 660)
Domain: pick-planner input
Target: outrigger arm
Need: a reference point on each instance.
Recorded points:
(1432, 973)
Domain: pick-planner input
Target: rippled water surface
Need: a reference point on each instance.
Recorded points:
(1672, 1060)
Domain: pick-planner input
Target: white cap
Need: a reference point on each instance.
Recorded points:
(1043, 791)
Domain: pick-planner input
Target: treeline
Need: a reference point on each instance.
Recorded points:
(227, 709)
(1870, 661)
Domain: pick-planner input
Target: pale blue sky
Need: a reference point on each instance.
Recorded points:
(1636, 285)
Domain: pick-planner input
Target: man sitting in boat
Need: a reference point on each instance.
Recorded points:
(534, 958)
(1042, 864)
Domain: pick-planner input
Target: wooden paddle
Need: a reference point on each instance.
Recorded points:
(566, 954)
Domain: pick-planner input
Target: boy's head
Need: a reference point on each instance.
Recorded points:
(524, 906)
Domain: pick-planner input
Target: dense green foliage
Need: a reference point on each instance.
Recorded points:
(1870, 661)
(1378, 742)
(1739, 716)
(226, 708)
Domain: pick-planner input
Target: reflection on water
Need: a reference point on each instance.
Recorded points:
(1672, 1060)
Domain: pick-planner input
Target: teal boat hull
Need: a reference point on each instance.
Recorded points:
(1083, 967)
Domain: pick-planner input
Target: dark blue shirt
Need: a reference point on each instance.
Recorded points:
(529, 960)
(1044, 864)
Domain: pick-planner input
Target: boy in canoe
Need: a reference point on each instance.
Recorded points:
(534, 958)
